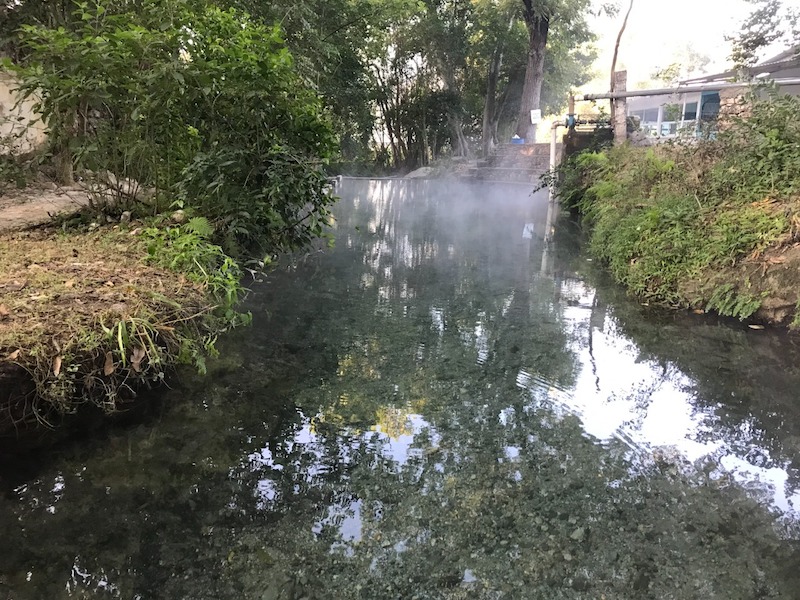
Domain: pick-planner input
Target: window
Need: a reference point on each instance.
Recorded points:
(669, 128)
(710, 106)
(690, 112)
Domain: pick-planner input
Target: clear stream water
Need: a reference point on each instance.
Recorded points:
(435, 408)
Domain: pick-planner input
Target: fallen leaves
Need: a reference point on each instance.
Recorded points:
(136, 358)
(108, 367)
(16, 286)
(53, 305)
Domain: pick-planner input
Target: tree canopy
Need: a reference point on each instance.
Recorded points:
(771, 22)
(402, 82)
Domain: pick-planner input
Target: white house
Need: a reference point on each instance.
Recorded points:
(669, 115)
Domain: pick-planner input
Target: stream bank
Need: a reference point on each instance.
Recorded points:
(91, 318)
(705, 225)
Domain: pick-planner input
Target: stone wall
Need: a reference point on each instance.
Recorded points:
(21, 129)
(732, 103)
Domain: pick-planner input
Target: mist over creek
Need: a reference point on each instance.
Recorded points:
(435, 408)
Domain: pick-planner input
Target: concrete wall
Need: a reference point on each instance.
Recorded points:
(15, 119)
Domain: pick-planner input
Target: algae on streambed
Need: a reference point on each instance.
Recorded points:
(428, 414)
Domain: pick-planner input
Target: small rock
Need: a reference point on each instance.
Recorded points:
(641, 582)
(125, 217)
(179, 216)
(119, 308)
(578, 534)
(580, 583)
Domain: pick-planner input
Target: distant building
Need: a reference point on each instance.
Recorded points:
(682, 112)
(666, 116)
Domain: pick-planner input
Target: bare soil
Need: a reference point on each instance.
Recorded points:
(38, 204)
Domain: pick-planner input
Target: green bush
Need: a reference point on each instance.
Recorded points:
(191, 100)
(759, 154)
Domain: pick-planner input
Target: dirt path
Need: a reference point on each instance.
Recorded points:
(38, 204)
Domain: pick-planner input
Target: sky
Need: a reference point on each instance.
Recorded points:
(658, 32)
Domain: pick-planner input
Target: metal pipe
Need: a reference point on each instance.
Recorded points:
(687, 88)
(551, 198)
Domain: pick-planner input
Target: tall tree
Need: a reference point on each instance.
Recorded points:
(770, 22)
(446, 43)
(537, 16)
(541, 17)
(497, 45)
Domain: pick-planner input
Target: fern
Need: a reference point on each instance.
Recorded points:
(200, 226)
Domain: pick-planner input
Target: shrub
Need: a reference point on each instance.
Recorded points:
(192, 100)
(667, 216)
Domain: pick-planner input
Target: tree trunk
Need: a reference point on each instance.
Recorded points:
(538, 28)
(63, 133)
(616, 46)
(63, 164)
(426, 149)
(490, 105)
(618, 107)
(490, 113)
(388, 127)
(458, 139)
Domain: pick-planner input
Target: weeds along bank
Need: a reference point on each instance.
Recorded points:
(712, 225)
(155, 106)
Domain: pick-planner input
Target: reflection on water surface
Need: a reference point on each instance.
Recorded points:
(436, 408)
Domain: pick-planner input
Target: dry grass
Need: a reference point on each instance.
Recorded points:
(87, 319)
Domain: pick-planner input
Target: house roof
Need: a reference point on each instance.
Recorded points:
(787, 59)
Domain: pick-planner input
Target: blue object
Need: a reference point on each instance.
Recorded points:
(517, 140)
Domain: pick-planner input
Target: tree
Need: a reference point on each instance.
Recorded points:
(537, 16)
(402, 82)
(771, 22)
(498, 39)
(540, 18)
(330, 42)
(204, 104)
(686, 63)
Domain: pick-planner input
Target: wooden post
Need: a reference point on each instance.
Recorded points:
(619, 108)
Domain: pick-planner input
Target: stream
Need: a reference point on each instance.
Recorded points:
(438, 406)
